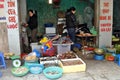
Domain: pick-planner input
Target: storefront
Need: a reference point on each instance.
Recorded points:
(53, 48)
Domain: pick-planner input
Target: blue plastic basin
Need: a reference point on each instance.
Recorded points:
(98, 57)
(36, 68)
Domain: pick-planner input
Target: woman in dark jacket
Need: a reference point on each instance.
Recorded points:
(71, 23)
(33, 24)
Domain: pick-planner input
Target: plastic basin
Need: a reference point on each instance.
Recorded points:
(111, 50)
(20, 71)
(36, 68)
(98, 57)
(53, 72)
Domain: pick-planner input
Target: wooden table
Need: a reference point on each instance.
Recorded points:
(84, 39)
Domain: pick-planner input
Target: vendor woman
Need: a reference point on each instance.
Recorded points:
(32, 24)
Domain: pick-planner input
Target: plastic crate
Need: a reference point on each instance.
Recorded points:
(62, 48)
(49, 52)
(36, 46)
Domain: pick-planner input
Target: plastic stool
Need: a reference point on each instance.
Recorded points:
(117, 59)
(2, 60)
(0, 74)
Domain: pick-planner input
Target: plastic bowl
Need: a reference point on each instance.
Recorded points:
(53, 72)
(36, 68)
(20, 71)
(99, 51)
(111, 50)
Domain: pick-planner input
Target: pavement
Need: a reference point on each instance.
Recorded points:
(96, 70)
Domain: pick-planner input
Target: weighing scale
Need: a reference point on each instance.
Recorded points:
(16, 62)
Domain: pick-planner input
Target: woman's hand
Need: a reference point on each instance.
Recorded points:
(24, 24)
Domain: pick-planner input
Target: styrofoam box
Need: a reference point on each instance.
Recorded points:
(73, 68)
(44, 60)
(50, 30)
(35, 46)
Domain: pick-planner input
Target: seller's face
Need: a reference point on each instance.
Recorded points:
(30, 14)
(73, 12)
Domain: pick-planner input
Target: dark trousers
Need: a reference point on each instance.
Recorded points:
(71, 33)
(34, 35)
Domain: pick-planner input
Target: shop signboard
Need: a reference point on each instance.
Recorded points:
(105, 23)
(2, 11)
(13, 25)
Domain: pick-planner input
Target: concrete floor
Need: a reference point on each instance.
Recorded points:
(96, 70)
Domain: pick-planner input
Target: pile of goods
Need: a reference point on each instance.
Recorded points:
(117, 47)
(49, 61)
(64, 40)
(71, 62)
(47, 48)
(67, 55)
(8, 55)
(30, 58)
(85, 34)
(114, 38)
